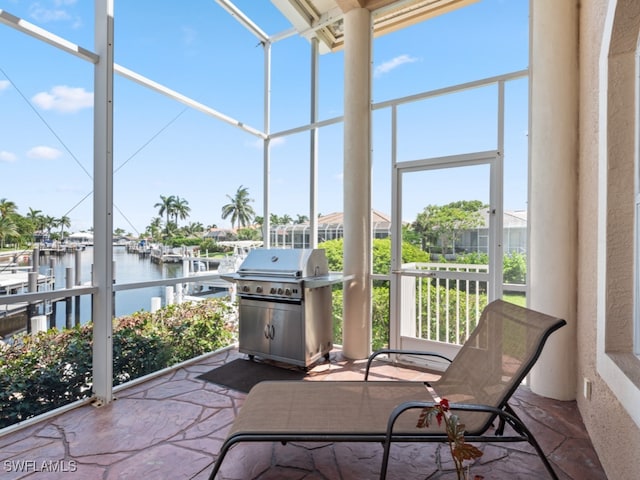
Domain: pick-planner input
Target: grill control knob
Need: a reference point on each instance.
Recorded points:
(259, 289)
(273, 290)
(245, 288)
(287, 291)
(279, 290)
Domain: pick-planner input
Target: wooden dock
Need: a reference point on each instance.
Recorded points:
(15, 280)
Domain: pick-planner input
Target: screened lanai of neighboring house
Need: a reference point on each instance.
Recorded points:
(582, 161)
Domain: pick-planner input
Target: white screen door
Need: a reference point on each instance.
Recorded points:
(447, 248)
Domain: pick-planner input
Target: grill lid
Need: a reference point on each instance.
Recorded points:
(285, 262)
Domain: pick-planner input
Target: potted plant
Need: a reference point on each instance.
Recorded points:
(461, 451)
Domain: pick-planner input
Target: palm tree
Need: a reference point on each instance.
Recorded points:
(301, 219)
(171, 230)
(181, 209)
(154, 228)
(193, 229)
(165, 206)
(8, 229)
(62, 222)
(286, 219)
(48, 224)
(239, 209)
(35, 218)
(7, 208)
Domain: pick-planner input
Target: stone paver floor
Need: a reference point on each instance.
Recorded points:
(172, 427)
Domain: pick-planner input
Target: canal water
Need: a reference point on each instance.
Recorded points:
(129, 268)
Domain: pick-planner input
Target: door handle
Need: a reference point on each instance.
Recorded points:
(269, 331)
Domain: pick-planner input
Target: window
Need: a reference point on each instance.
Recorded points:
(618, 343)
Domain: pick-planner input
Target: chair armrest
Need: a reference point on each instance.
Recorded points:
(388, 351)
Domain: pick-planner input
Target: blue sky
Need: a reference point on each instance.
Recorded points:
(197, 49)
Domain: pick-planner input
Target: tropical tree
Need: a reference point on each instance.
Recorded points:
(165, 206)
(35, 218)
(442, 223)
(274, 219)
(7, 208)
(301, 219)
(181, 209)
(171, 230)
(193, 229)
(249, 234)
(62, 222)
(49, 223)
(239, 209)
(155, 228)
(286, 219)
(8, 230)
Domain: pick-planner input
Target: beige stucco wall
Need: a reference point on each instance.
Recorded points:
(615, 435)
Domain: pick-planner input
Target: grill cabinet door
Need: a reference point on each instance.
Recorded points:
(252, 326)
(272, 330)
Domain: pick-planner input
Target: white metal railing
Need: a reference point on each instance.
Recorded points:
(449, 299)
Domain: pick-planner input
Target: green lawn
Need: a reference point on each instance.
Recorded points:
(516, 298)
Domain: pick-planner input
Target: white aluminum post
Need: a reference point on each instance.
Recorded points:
(266, 224)
(496, 214)
(313, 168)
(397, 320)
(103, 205)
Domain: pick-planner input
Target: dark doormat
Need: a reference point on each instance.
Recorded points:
(243, 374)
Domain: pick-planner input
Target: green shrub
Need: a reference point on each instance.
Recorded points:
(436, 312)
(515, 268)
(474, 258)
(380, 316)
(52, 369)
(183, 242)
(211, 246)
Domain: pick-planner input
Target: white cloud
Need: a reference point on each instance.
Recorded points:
(4, 85)
(394, 63)
(43, 14)
(64, 99)
(44, 153)
(7, 156)
(189, 35)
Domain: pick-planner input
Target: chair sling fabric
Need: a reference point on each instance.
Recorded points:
(478, 383)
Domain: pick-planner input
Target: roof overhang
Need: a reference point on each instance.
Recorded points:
(324, 18)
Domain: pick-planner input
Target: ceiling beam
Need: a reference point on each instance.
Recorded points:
(346, 5)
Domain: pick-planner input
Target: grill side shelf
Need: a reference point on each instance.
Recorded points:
(326, 280)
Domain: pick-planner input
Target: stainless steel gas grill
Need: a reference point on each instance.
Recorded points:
(285, 305)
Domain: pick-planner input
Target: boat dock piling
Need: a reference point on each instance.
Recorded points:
(37, 316)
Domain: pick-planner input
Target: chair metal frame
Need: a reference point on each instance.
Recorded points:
(500, 411)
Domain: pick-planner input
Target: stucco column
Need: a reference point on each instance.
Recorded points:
(357, 183)
(553, 188)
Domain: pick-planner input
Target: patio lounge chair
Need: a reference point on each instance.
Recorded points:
(478, 384)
